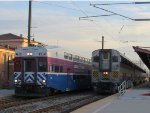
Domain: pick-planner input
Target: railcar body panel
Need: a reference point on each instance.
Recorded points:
(48, 70)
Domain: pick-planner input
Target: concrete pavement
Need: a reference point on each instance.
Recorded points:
(133, 101)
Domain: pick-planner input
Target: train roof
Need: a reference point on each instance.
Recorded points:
(124, 59)
(51, 51)
(127, 61)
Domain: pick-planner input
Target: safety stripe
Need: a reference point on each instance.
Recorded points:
(115, 74)
(16, 75)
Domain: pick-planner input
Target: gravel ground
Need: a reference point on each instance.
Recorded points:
(42, 104)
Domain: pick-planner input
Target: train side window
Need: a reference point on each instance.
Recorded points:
(66, 55)
(115, 58)
(42, 66)
(105, 55)
(95, 59)
(70, 56)
(84, 60)
(51, 68)
(89, 61)
(78, 58)
(73, 57)
(56, 68)
(61, 69)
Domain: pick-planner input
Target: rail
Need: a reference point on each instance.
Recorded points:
(125, 85)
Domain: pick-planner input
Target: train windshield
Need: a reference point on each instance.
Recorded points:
(105, 55)
(42, 66)
(29, 65)
(115, 58)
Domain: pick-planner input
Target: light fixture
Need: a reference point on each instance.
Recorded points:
(15, 81)
(43, 81)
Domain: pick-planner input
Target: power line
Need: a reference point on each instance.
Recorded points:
(124, 3)
(85, 13)
(86, 18)
(143, 19)
(111, 12)
(43, 2)
(121, 29)
(95, 16)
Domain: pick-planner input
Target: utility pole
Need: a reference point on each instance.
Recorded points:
(29, 21)
(102, 42)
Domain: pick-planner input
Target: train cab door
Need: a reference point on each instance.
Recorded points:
(105, 65)
(29, 71)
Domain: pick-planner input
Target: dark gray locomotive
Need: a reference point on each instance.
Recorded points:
(110, 68)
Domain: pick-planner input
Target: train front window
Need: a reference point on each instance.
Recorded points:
(29, 66)
(105, 55)
(42, 66)
(115, 58)
(96, 59)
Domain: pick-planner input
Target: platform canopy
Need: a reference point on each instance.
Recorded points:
(144, 54)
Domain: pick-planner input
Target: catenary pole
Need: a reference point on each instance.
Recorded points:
(29, 21)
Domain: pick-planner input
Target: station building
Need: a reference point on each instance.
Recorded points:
(8, 43)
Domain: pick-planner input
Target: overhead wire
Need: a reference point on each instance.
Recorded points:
(125, 3)
(44, 2)
(108, 24)
(85, 13)
(78, 9)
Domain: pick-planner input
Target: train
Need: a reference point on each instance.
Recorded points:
(44, 70)
(110, 68)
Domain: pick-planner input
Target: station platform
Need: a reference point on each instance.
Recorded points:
(6, 92)
(135, 100)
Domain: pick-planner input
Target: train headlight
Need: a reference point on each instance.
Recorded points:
(29, 54)
(16, 81)
(43, 81)
(105, 73)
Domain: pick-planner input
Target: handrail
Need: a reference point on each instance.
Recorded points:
(125, 85)
(122, 88)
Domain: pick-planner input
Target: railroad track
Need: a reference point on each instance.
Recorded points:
(7, 100)
(66, 107)
(69, 101)
(11, 101)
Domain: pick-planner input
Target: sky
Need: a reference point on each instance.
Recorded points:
(57, 23)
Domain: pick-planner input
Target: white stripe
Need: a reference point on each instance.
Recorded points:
(102, 107)
(32, 76)
(39, 83)
(17, 76)
(29, 80)
(29, 74)
(39, 78)
(43, 77)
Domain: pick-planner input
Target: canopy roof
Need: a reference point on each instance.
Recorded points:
(144, 54)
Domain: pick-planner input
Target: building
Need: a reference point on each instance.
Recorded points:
(16, 41)
(8, 43)
(6, 65)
